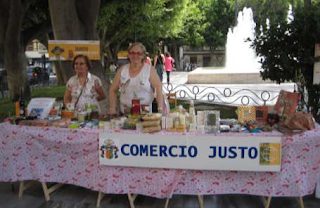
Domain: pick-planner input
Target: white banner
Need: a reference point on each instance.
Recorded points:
(204, 152)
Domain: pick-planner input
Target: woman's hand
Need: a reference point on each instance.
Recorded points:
(99, 90)
(96, 85)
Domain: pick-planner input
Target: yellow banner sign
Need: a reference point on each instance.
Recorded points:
(122, 54)
(68, 49)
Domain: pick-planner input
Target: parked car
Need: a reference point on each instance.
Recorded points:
(37, 75)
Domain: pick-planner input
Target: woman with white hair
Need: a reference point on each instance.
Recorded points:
(136, 80)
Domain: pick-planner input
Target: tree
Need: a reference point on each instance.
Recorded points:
(192, 32)
(274, 11)
(219, 17)
(19, 23)
(288, 51)
(147, 21)
(74, 20)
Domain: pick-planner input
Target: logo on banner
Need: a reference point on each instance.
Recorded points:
(109, 149)
(270, 154)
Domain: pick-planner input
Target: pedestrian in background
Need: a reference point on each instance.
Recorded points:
(159, 64)
(168, 64)
(148, 59)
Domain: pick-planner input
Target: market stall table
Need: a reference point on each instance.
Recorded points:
(70, 156)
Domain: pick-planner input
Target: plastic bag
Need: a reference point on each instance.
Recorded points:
(300, 121)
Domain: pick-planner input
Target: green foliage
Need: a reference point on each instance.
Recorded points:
(279, 47)
(7, 106)
(288, 51)
(193, 25)
(219, 17)
(275, 11)
(147, 21)
(36, 22)
(186, 22)
(56, 91)
(207, 23)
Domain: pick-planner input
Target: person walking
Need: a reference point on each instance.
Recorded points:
(168, 65)
(158, 64)
(148, 59)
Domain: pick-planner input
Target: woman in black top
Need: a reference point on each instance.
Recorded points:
(158, 64)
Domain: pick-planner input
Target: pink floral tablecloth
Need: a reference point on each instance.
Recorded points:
(71, 157)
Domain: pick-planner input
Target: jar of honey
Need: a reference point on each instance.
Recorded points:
(135, 107)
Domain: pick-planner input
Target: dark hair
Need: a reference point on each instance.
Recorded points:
(86, 60)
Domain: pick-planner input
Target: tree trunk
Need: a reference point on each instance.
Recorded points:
(12, 13)
(76, 20)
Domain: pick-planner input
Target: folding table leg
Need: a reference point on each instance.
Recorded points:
(23, 186)
(47, 191)
(301, 202)
(267, 201)
(100, 197)
(21, 189)
(131, 198)
(200, 199)
(167, 203)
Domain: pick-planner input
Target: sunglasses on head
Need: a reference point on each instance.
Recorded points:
(135, 53)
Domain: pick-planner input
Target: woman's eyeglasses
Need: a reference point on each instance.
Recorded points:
(135, 53)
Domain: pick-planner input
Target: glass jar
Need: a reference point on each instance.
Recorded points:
(135, 107)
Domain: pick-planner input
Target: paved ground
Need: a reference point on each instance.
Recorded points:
(77, 197)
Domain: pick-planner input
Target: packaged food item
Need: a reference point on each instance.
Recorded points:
(67, 114)
(82, 116)
(151, 129)
(152, 117)
(151, 123)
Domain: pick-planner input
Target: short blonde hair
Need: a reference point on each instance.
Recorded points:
(141, 46)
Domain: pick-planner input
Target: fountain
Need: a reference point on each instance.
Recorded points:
(242, 66)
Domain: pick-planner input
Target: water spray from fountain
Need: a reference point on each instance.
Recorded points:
(240, 56)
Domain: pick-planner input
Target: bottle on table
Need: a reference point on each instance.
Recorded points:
(22, 105)
(192, 112)
(155, 106)
(135, 105)
(17, 108)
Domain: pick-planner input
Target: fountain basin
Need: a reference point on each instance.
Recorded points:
(211, 75)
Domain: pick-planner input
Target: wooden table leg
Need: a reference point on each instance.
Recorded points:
(301, 202)
(167, 203)
(131, 198)
(200, 199)
(266, 202)
(21, 189)
(23, 186)
(100, 197)
(47, 191)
